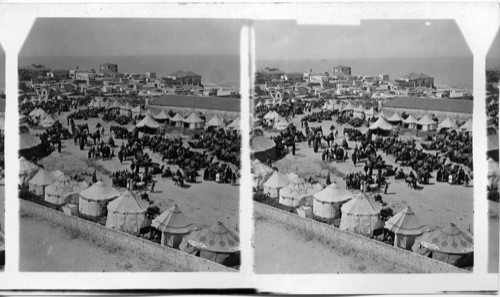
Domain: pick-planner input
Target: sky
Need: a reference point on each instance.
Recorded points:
(126, 37)
(493, 55)
(281, 40)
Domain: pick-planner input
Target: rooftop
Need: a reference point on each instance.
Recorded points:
(217, 103)
(182, 73)
(445, 105)
(414, 75)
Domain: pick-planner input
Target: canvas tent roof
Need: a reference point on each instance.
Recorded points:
(217, 238)
(370, 112)
(63, 186)
(362, 204)
(260, 169)
(215, 122)
(262, 143)
(127, 203)
(395, 118)
(173, 221)
(34, 112)
(272, 115)
(149, 122)
(447, 123)
(26, 167)
(177, 118)
(136, 109)
(299, 188)
(449, 240)
(277, 181)
(193, 118)
(282, 124)
(410, 120)
(47, 121)
(348, 107)
(382, 124)
(405, 222)
(126, 106)
(99, 192)
(161, 116)
(333, 193)
(116, 104)
(42, 178)
(425, 120)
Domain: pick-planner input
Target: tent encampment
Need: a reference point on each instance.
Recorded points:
(215, 122)
(148, 122)
(449, 244)
(217, 243)
(127, 213)
(361, 215)
(162, 116)
(427, 124)
(446, 124)
(406, 227)
(381, 125)
(177, 120)
(41, 179)
(93, 201)
(395, 119)
(411, 122)
(173, 226)
(327, 203)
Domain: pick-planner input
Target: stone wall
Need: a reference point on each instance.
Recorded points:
(180, 260)
(441, 115)
(358, 242)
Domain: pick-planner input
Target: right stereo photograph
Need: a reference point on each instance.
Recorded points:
(361, 144)
(492, 80)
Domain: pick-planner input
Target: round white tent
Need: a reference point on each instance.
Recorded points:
(215, 122)
(173, 226)
(275, 183)
(177, 120)
(446, 124)
(381, 124)
(327, 203)
(406, 227)
(427, 123)
(148, 122)
(93, 201)
(162, 116)
(411, 122)
(42, 179)
(235, 124)
(193, 121)
(467, 126)
(361, 215)
(127, 213)
(60, 191)
(292, 194)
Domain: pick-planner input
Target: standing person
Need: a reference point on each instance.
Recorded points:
(386, 188)
(153, 186)
(59, 146)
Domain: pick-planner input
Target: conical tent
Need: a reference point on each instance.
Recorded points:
(162, 116)
(173, 225)
(272, 115)
(60, 191)
(193, 121)
(41, 179)
(26, 171)
(260, 169)
(349, 107)
(34, 112)
(275, 183)
(395, 118)
(361, 215)
(93, 200)
(282, 124)
(446, 124)
(215, 122)
(115, 104)
(217, 243)
(148, 122)
(427, 123)
(292, 194)
(47, 121)
(381, 124)
(327, 203)
(136, 110)
(369, 112)
(178, 120)
(127, 213)
(406, 228)
(449, 244)
(467, 126)
(411, 122)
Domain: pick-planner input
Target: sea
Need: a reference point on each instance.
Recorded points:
(221, 69)
(225, 69)
(451, 71)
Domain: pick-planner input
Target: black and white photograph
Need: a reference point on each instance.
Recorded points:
(492, 92)
(130, 145)
(361, 145)
(2, 159)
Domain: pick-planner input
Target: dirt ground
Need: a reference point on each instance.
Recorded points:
(48, 247)
(493, 234)
(436, 204)
(204, 203)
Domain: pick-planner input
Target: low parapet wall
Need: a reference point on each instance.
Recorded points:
(358, 242)
(175, 258)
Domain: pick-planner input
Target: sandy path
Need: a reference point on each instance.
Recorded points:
(49, 247)
(283, 249)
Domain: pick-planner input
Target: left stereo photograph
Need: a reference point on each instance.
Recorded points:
(130, 145)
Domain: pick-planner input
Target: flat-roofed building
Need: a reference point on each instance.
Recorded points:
(109, 66)
(416, 80)
(181, 77)
(343, 69)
